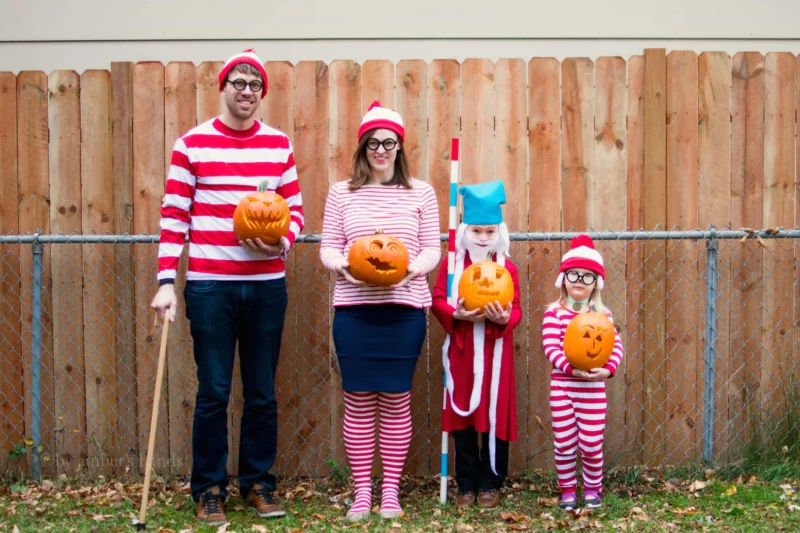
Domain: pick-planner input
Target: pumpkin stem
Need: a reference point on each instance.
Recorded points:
(262, 187)
(379, 231)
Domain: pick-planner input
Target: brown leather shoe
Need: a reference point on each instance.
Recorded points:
(489, 499)
(465, 499)
(264, 503)
(209, 507)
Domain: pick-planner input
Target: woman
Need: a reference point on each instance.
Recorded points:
(378, 331)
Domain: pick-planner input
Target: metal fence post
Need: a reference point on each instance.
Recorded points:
(710, 346)
(36, 355)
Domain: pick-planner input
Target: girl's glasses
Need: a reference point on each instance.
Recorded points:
(388, 144)
(574, 277)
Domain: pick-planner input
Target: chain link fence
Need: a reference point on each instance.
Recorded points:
(709, 321)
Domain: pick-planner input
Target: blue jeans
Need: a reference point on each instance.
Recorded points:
(220, 313)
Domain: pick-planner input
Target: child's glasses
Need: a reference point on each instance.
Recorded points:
(574, 277)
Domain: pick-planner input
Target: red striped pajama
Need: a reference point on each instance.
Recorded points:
(579, 418)
(360, 409)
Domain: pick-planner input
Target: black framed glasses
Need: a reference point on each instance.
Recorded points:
(388, 144)
(239, 84)
(574, 277)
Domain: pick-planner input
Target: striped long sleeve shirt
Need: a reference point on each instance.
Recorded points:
(212, 168)
(554, 328)
(411, 215)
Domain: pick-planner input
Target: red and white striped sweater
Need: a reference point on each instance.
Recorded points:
(212, 168)
(554, 327)
(411, 215)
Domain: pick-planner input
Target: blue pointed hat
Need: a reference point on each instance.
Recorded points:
(482, 203)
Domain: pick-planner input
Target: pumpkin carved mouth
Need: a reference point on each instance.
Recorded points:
(381, 266)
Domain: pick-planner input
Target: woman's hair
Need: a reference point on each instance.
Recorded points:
(362, 171)
(595, 300)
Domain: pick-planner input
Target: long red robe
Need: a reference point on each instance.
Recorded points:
(461, 362)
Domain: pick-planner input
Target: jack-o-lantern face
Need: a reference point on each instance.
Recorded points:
(378, 259)
(263, 215)
(485, 282)
(589, 341)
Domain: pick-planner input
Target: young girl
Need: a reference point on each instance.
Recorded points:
(577, 397)
(478, 354)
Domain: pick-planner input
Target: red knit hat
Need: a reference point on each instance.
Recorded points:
(381, 117)
(582, 255)
(246, 56)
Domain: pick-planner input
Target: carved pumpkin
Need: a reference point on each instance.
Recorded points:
(378, 259)
(485, 282)
(589, 341)
(261, 215)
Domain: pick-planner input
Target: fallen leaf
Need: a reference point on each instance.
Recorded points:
(223, 528)
(731, 491)
(464, 527)
(188, 530)
(318, 516)
(793, 507)
(639, 514)
(547, 516)
(697, 485)
(165, 530)
(259, 529)
(511, 517)
(687, 511)
(547, 502)
(517, 527)
(101, 517)
(16, 530)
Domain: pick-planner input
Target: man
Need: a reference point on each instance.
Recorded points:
(234, 290)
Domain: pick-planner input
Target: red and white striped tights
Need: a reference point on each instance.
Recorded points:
(360, 409)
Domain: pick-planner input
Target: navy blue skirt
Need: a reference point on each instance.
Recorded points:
(378, 346)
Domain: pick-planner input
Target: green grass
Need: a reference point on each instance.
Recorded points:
(636, 500)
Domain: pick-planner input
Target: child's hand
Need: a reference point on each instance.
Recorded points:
(598, 374)
(470, 316)
(496, 313)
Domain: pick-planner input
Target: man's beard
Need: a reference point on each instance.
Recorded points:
(233, 109)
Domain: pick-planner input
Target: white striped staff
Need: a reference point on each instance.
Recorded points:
(451, 298)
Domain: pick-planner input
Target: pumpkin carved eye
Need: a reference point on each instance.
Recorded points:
(378, 259)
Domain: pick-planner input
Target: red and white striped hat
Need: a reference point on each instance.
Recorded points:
(246, 56)
(582, 255)
(381, 117)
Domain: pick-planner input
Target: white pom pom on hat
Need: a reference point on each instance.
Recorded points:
(381, 117)
(582, 254)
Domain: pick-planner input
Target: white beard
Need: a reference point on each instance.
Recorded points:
(478, 252)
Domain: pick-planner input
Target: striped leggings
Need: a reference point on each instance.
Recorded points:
(579, 419)
(360, 409)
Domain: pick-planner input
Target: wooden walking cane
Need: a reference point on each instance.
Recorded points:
(451, 265)
(162, 357)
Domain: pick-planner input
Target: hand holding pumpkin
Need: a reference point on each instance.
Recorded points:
(412, 272)
(598, 374)
(497, 314)
(270, 250)
(343, 269)
(461, 313)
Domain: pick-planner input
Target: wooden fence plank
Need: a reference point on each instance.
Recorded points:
(634, 276)
(655, 214)
(148, 184)
(714, 168)
(511, 148)
(377, 83)
(124, 301)
(209, 101)
(577, 148)
(544, 205)
(777, 366)
(34, 216)
(99, 319)
(444, 103)
(12, 421)
(316, 433)
(412, 104)
(180, 115)
(344, 118)
(610, 212)
(747, 210)
(291, 387)
(476, 152)
(66, 269)
(685, 289)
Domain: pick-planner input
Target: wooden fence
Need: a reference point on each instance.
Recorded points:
(676, 139)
